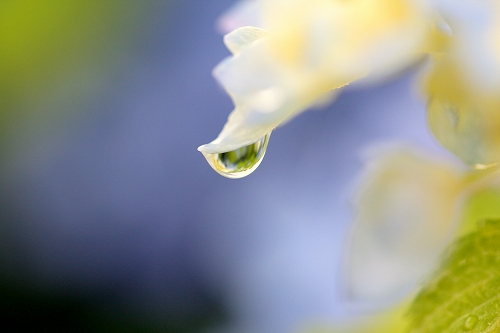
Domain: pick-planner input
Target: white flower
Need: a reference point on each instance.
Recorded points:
(304, 50)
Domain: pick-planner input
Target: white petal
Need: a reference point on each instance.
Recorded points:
(312, 47)
(265, 93)
(242, 37)
(463, 84)
(406, 209)
(476, 43)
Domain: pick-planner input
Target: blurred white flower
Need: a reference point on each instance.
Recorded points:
(407, 207)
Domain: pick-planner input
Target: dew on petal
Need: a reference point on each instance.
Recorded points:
(485, 166)
(470, 323)
(463, 117)
(469, 130)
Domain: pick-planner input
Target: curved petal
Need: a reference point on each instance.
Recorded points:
(464, 119)
(406, 208)
(243, 37)
(475, 46)
(463, 84)
(311, 48)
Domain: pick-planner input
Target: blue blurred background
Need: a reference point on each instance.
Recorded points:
(111, 221)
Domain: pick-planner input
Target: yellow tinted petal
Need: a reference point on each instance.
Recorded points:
(464, 119)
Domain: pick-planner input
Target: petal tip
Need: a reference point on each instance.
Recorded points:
(202, 149)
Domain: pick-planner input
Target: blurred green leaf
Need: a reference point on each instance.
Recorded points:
(464, 295)
(45, 41)
(483, 204)
(56, 53)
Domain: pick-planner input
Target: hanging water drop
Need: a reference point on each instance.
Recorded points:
(240, 162)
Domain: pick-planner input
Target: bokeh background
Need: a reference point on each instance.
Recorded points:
(111, 221)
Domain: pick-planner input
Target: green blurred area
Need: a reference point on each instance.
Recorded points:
(54, 53)
(462, 294)
(481, 205)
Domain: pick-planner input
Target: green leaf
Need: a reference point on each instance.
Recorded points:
(464, 295)
(484, 203)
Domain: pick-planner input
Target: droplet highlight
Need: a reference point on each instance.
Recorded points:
(470, 323)
(240, 162)
(485, 166)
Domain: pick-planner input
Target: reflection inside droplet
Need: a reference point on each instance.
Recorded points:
(240, 162)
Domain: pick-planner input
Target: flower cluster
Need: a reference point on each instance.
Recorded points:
(288, 55)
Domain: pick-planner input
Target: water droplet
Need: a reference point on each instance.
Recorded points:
(240, 162)
(485, 166)
(470, 323)
(452, 113)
